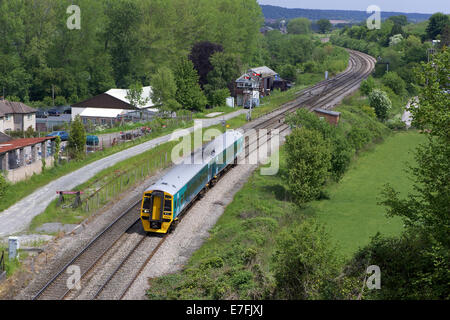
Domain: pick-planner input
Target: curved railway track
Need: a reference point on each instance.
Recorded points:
(126, 270)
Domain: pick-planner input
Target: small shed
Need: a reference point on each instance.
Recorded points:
(332, 117)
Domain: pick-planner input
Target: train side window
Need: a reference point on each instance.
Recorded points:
(168, 205)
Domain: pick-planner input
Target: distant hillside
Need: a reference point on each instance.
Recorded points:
(274, 12)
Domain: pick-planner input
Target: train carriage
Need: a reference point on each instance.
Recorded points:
(166, 200)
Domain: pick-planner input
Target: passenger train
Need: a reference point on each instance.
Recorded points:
(165, 201)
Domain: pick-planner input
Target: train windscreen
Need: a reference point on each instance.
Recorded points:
(147, 203)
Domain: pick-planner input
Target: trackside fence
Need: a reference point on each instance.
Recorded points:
(125, 181)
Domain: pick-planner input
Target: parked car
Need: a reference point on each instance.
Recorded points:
(92, 141)
(62, 134)
(54, 113)
(41, 114)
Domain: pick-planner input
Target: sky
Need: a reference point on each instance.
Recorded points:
(416, 6)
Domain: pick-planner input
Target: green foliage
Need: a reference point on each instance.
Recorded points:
(134, 95)
(57, 150)
(436, 25)
(367, 85)
(356, 130)
(299, 26)
(164, 89)
(412, 267)
(380, 102)
(392, 80)
(308, 160)
(305, 263)
(218, 97)
(189, 94)
(77, 139)
(433, 114)
(3, 185)
(290, 49)
(425, 245)
(400, 20)
(324, 25)
(369, 111)
(119, 42)
(226, 69)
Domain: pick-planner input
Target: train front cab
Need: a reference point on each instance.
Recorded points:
(157, 211)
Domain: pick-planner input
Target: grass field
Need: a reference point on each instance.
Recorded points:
(352, 215)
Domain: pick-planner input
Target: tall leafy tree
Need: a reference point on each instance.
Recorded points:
(189, 94)
(135, 95)
(308, 160)
(200, 56)
(436, 25)
(324, 25)
(77, 139)
(299, 26)
(164, 89)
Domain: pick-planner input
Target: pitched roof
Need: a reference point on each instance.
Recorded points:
(21, 143)
(9, 107)
(263, 71)
(114, 99)
(122, 93)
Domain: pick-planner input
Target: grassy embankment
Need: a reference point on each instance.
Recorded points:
(235, 262)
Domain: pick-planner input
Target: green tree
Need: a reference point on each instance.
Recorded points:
(436, 25)
(135, 95)
(401, 20)
(308, 160)
(392, 80)
(57, 150)
(164, 89)
(380, 102)
(189, 94)
(367, 86)
(218, 97)
(299, 26)
(77, 139)
(227, 68)
(305, 264)
(324, 25)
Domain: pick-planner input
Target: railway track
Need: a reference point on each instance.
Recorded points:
(126, 270)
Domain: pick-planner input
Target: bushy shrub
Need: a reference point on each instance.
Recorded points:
(380, 102)
(369, 111)
(393, 81)
(308, 160)
(396, 124)
(3, 185)
(310, 67)
(218, 97)
(304, 263)
(367, 86)
(288, 72)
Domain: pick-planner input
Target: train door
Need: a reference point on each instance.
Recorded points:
(157, 210)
